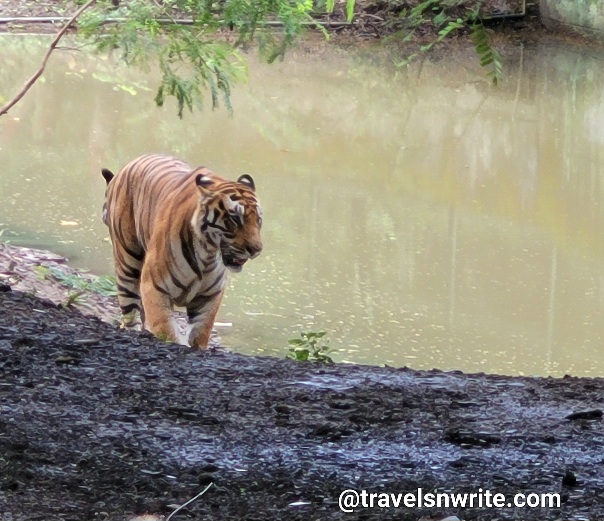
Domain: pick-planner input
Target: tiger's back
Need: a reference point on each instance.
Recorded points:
(175, 231)
(134, 203)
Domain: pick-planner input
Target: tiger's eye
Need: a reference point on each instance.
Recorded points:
(236, 218)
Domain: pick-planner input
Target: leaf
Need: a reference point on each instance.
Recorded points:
(440, 18)
(72, 299)
(42, 272)
(350, 9)
(159, 97)
(128, 89)
(489, 56)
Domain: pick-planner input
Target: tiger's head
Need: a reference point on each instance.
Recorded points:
(229, 216)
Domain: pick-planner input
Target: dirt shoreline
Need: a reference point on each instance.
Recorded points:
(373, 20)
(99, 423)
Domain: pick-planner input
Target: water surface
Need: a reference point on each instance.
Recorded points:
(421, 217)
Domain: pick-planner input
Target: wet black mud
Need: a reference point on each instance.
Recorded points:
(98, 423)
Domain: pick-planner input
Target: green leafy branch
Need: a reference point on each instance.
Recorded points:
(198, 55)
(447, 17)
(36, 76)
(194, 43)
(490, 58)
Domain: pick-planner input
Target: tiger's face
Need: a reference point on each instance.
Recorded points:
(231, 216)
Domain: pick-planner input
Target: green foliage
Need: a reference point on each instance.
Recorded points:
(489, 56)
(197, 57)
(329, 6)
(350, 9)
(163, 337)
(73, 298)
(448, 17)
(310, 347)
(104, 284)
(194, 43)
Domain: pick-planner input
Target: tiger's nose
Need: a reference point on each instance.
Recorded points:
(253, 250)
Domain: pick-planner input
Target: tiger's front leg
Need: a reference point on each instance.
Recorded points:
(157, 306)
(202, 314)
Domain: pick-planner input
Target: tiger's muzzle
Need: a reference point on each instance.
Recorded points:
(234, 260)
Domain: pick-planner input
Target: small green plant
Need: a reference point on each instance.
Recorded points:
(310, 347)
(73, 298)
(104, 284)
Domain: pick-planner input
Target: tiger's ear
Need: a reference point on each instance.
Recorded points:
(107, 175)
(247, 180)
(203, 181)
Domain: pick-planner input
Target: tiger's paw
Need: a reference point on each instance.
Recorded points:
(131, 321)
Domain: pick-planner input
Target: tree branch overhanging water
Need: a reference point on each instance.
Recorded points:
(194, 61)
(31, 81)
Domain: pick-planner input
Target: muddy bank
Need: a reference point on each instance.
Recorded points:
(98, 423)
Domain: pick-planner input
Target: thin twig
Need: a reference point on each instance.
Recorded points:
(29, 83)
(190, 501)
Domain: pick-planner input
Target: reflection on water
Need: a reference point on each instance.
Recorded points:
(423, 219)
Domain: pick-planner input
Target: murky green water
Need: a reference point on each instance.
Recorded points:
(423, 219)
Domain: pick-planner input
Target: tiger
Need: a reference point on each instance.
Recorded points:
(175, 232)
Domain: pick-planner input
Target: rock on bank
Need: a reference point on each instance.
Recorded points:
(585, 17)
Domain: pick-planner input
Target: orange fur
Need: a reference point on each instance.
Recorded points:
(175, 232)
